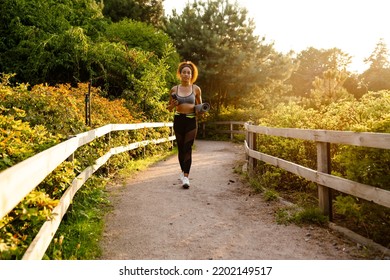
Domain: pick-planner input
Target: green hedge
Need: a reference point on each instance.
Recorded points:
(34, 119)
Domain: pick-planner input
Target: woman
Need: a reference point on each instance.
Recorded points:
(183, 98)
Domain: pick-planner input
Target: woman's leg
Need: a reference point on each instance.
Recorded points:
(189, 138)
(179, 129)
(185, 131)
(188, 142)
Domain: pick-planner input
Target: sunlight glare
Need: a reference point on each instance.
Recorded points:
(355, 27)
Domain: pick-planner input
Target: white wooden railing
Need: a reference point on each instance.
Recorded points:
(19, 180)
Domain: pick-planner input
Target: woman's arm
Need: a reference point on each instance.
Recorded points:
(198, 95)
(172, 102)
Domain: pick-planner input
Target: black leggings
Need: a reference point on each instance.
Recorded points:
(185, 128)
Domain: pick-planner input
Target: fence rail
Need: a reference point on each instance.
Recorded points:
(234, 128)
(14, 187)
(321, 176)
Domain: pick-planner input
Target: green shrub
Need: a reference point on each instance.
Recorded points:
(349, 207)
(365, 165)
(18, 140)
(35, 119)
(19, 227)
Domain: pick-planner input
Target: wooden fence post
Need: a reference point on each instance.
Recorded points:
(71, 157)
(108, 137)
(247, 141)
(231, 131)
(252, 144)
(253, 141)
(172, 134)
(324, 165)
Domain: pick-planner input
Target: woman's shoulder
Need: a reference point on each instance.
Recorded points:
(196, 88)
(174, 88)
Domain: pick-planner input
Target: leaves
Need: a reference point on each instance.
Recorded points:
(32, 121)
(18, 140)
(43, 38)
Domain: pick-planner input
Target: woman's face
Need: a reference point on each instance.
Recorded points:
(186, 74)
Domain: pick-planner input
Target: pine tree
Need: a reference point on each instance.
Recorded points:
(377, 76)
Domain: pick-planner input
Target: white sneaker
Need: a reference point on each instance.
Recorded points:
(186, 182)
(181, 176)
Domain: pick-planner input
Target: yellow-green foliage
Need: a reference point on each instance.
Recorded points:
(35, 119)
(18, 140)
(365, 165)
(370, 114)
(61, 109)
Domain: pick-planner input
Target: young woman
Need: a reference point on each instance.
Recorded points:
(183, 98)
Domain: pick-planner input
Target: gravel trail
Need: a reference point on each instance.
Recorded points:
(218, 217)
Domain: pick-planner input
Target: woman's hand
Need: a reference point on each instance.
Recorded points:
(172, 104)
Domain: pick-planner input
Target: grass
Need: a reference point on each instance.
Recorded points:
(301, 213)
(311, 215)
(270, 195)
(299, 216)
(141, 164)
(79, 233)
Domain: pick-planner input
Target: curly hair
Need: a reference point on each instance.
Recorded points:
(192, 66)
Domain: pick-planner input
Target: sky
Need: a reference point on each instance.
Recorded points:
(354, 26)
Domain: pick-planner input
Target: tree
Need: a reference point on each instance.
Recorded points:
(379, 59)
(329, 88)
(136, 39)
(149, 11)
(69, 41)
(46, 41)
(219, 38)
(355, 85)
(377, 76)
(136, 34)
(313, 63)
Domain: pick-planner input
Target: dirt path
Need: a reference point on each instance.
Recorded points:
(217, 218)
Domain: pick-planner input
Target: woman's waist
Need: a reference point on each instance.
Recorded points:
(188, 115)
(185, 108)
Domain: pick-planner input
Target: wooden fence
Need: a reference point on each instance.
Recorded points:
(14, 187)
(19, 180)
(234, 128)
(321, 176)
